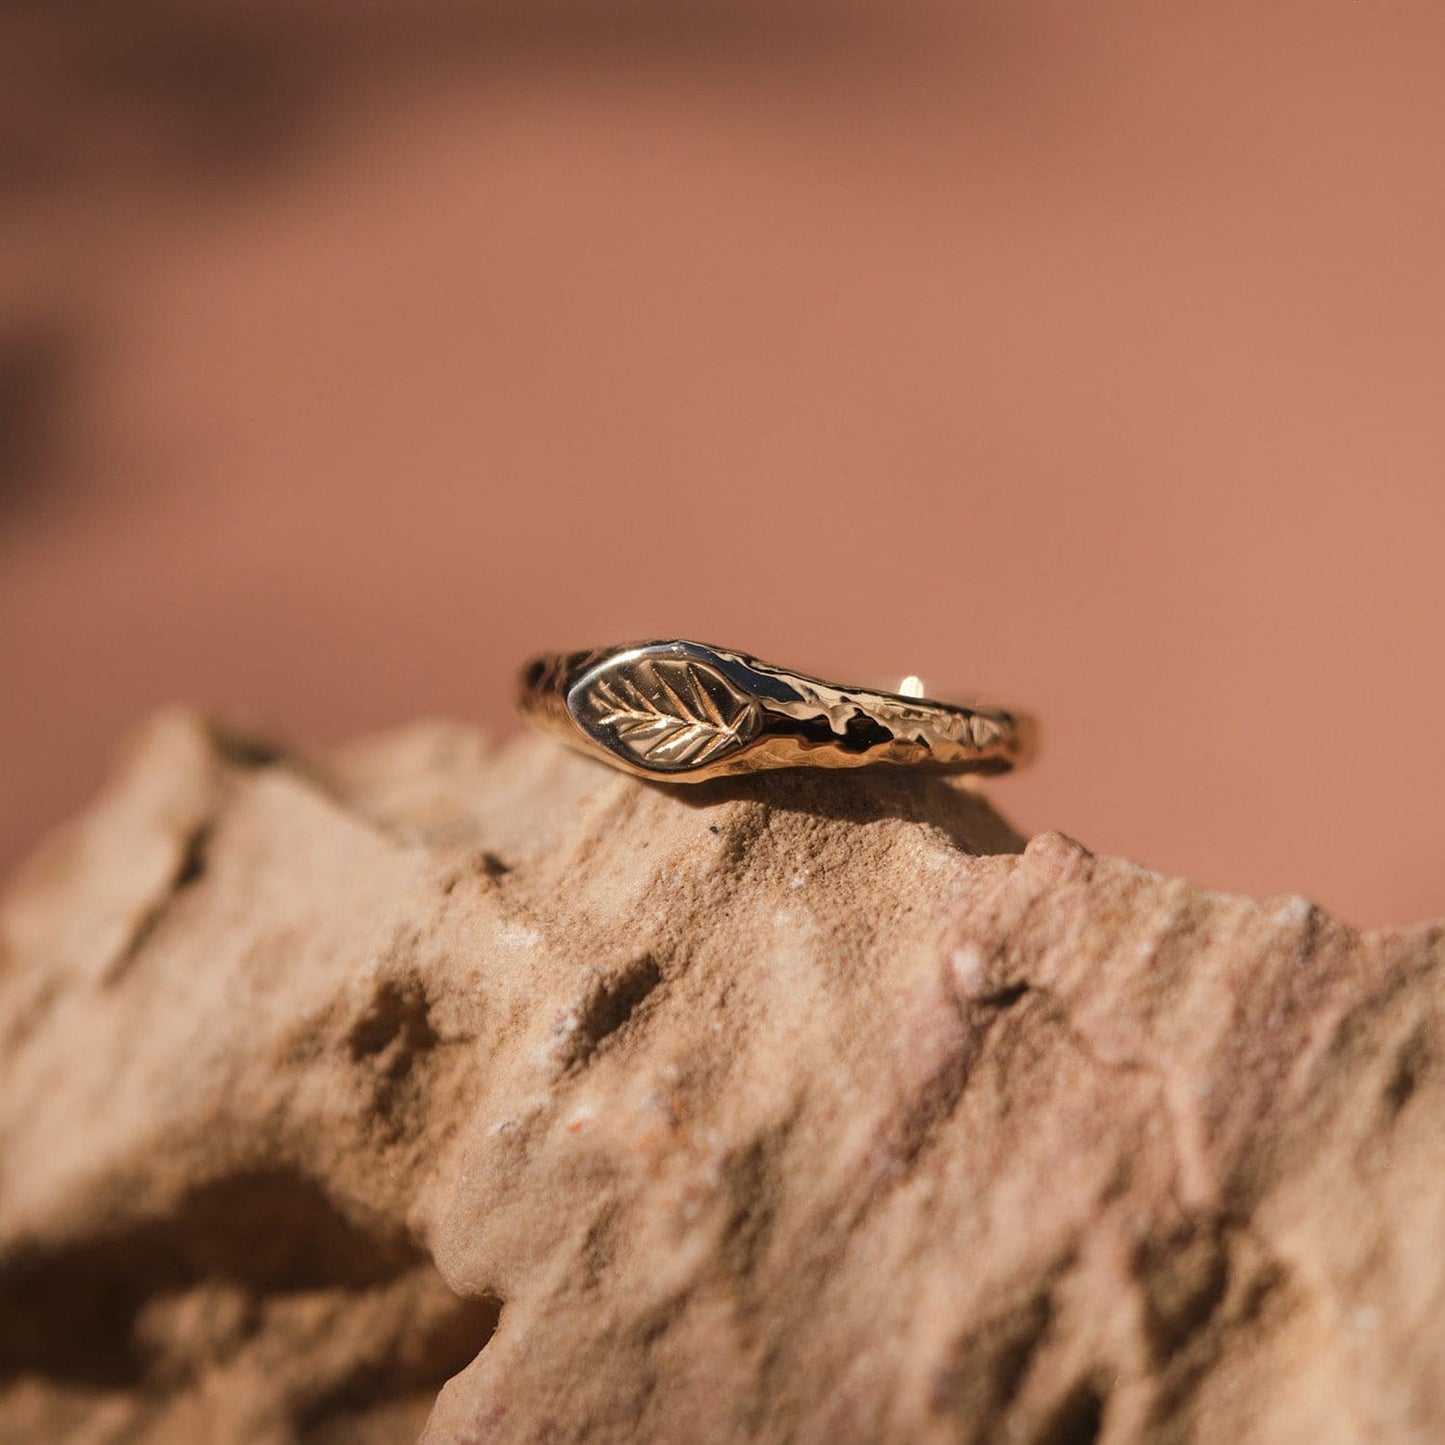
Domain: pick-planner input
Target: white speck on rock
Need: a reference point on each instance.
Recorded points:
(969, 969)
(517, 935)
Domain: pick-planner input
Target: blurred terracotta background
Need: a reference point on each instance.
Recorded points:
(1089, 356)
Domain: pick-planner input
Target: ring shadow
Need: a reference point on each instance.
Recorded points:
(967, 818)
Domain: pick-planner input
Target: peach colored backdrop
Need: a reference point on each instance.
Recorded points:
(1087, 355)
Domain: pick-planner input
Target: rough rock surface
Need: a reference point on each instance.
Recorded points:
(500, 1097)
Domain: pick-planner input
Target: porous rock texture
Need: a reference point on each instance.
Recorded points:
(494, 1096)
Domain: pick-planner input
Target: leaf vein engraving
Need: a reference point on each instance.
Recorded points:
(663, 711)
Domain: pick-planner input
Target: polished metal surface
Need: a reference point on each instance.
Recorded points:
(684, 712)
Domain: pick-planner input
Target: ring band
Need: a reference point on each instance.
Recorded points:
(685, 712)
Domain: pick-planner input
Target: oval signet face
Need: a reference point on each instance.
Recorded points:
(663, 712)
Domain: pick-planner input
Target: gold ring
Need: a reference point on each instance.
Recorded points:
(684, 712)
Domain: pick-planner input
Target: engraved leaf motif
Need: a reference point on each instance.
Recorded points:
(669, 713)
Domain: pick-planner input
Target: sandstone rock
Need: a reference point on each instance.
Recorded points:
(501, 1097)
